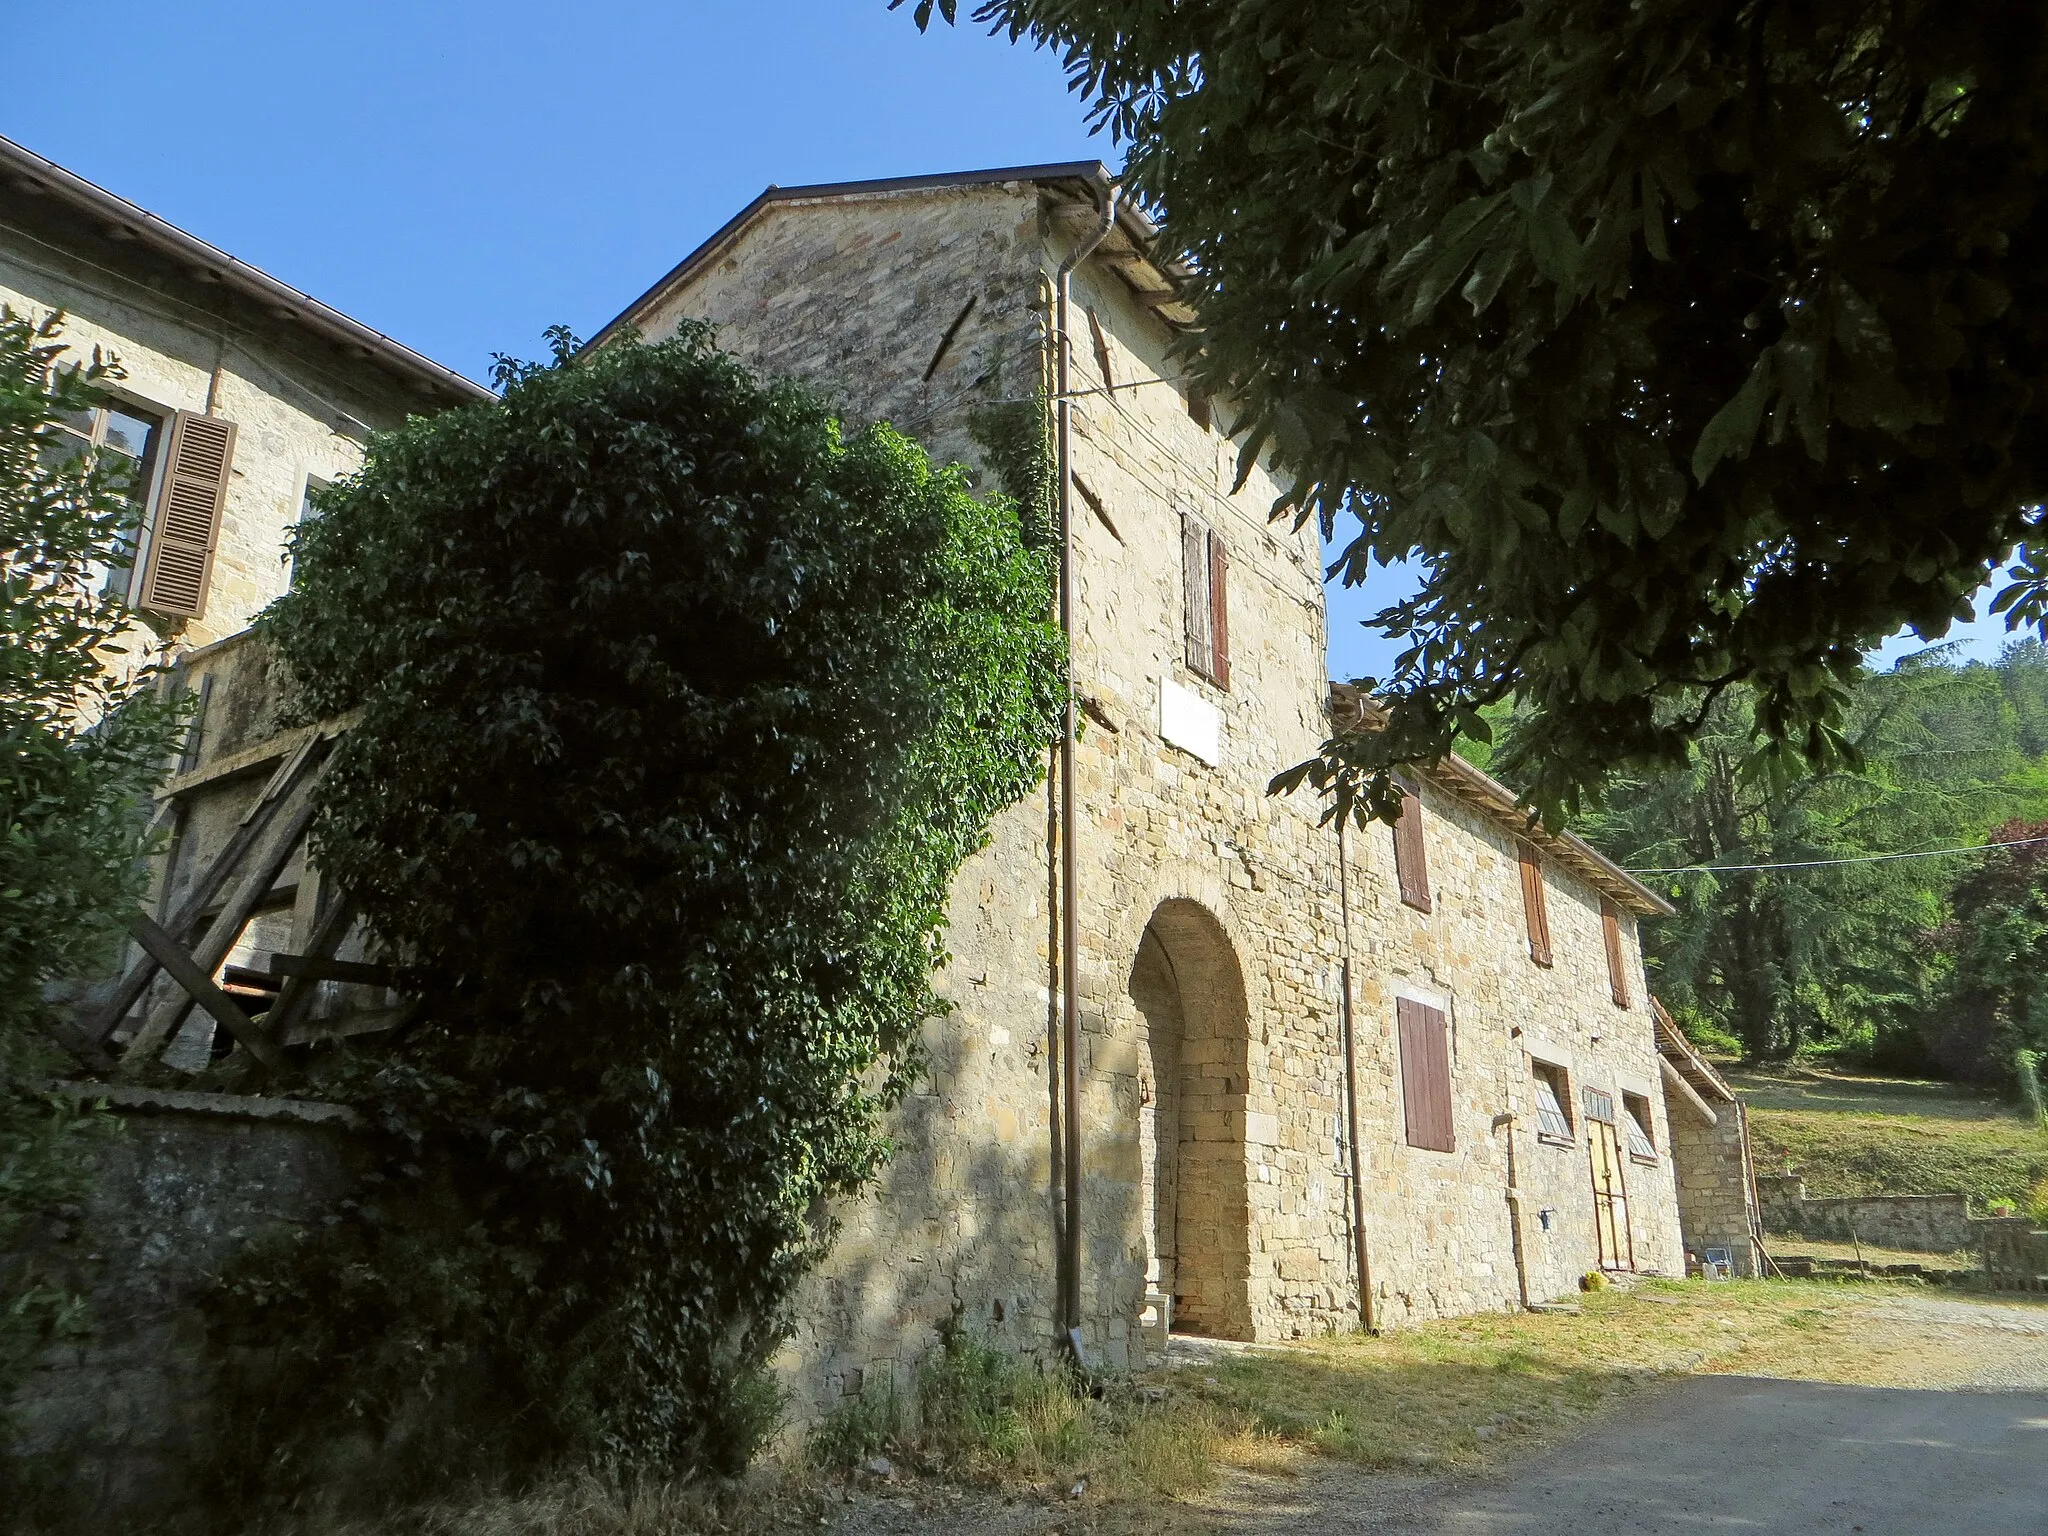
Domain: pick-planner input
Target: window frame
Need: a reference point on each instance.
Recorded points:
(1535, 903)
(1205, 601)
(1639, 1127)
(1411, 851)
(1558, 1079)
(1429, 1101)
(141, 495)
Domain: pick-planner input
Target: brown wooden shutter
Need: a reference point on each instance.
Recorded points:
(1425, 1076)
(1617, 971)
(1535, 906)
(185, 521)
(1411, 860)
(1219, 610)
(1194, 546)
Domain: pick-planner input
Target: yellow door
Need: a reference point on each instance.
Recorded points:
(1610, 1194)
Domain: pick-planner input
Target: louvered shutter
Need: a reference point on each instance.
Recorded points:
(1411, 861)
(1425, 1076)
(1617, 973)
(1219, 610)
(1194, 545)
(1535, 905)
(185, 520)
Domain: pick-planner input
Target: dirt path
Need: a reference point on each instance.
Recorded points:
(1885, 1399)
(1934, 1419)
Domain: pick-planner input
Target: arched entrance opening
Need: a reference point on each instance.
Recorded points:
(1196, 1208)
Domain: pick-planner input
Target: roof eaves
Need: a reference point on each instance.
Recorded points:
(1504, 808)
(27, 168)
(1682, 1054)
(1092, 172)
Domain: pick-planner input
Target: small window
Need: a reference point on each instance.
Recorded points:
(1426, 1076)
(1535, 906)
(1199, 410)
(1206, 569)
(1553, 1094)
(1411, 858)
(1617, 969)
(128, 436)
(1636, 1122)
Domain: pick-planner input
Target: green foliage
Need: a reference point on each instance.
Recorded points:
(83, 739)
(679, 714)
(1787, 959)
(1991, 1009)
(1683, 345)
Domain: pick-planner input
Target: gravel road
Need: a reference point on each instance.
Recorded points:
(1956, 1444)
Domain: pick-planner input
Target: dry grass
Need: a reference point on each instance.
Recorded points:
(1450, 1396)
(1854, 1135)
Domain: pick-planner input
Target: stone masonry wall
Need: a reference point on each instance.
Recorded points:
(293, 416)
(112, 1422)
(1923, 1223)
(1211, 936)
(1713, 1184)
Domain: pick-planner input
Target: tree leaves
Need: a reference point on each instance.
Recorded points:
(1760, 322)
(679, 713)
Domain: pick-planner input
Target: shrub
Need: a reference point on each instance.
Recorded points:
(679, 712)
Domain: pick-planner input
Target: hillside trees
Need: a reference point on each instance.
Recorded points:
(82, 742)
(678, 714)
(1685, 346)
(1993, 1000)
(1834, 953)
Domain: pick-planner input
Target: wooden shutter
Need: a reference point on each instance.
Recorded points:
(1535, 906)
(1101, 351)
(1425, 1076)
(1219, 611)
(1411, 861)
(1617, 971)
(1200, 613)
(184, 523)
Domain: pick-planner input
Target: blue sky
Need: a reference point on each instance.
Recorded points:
(463, 173)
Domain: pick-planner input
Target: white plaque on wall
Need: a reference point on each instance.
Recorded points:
(1190, 722)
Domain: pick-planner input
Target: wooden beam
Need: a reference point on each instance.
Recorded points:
(299, 992)
(186, 972)
(357, 1021)
(212, 947)
(1675, 1080)
(318, 968)
(103, 1021)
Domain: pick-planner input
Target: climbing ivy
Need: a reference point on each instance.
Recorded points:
(679, 712)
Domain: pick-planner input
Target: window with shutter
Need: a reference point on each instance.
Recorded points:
(1535, 906)
(184, 523)
(1206, 581)
(1553, 1098)
(1411, 861)
(1425, 1076)
(1636, 1122)
(1617, 968)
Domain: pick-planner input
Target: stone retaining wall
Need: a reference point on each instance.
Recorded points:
(112, 1423)
(1922, 1223)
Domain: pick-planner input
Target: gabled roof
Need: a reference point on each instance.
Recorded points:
(123, 226)
(1500, 805)
(1130, 250)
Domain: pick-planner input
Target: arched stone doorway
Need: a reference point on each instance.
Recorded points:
(1193, 1075)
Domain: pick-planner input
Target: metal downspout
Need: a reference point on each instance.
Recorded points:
(1367, 1317)
(1070, 872)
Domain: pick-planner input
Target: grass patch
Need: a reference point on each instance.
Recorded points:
(1852, 1135)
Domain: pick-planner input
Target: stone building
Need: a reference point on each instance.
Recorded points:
(240, 392)
(1324, 1078)
(1719, 1212)
(1505, 1115)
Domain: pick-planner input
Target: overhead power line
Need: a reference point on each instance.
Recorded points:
(1867, 858)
